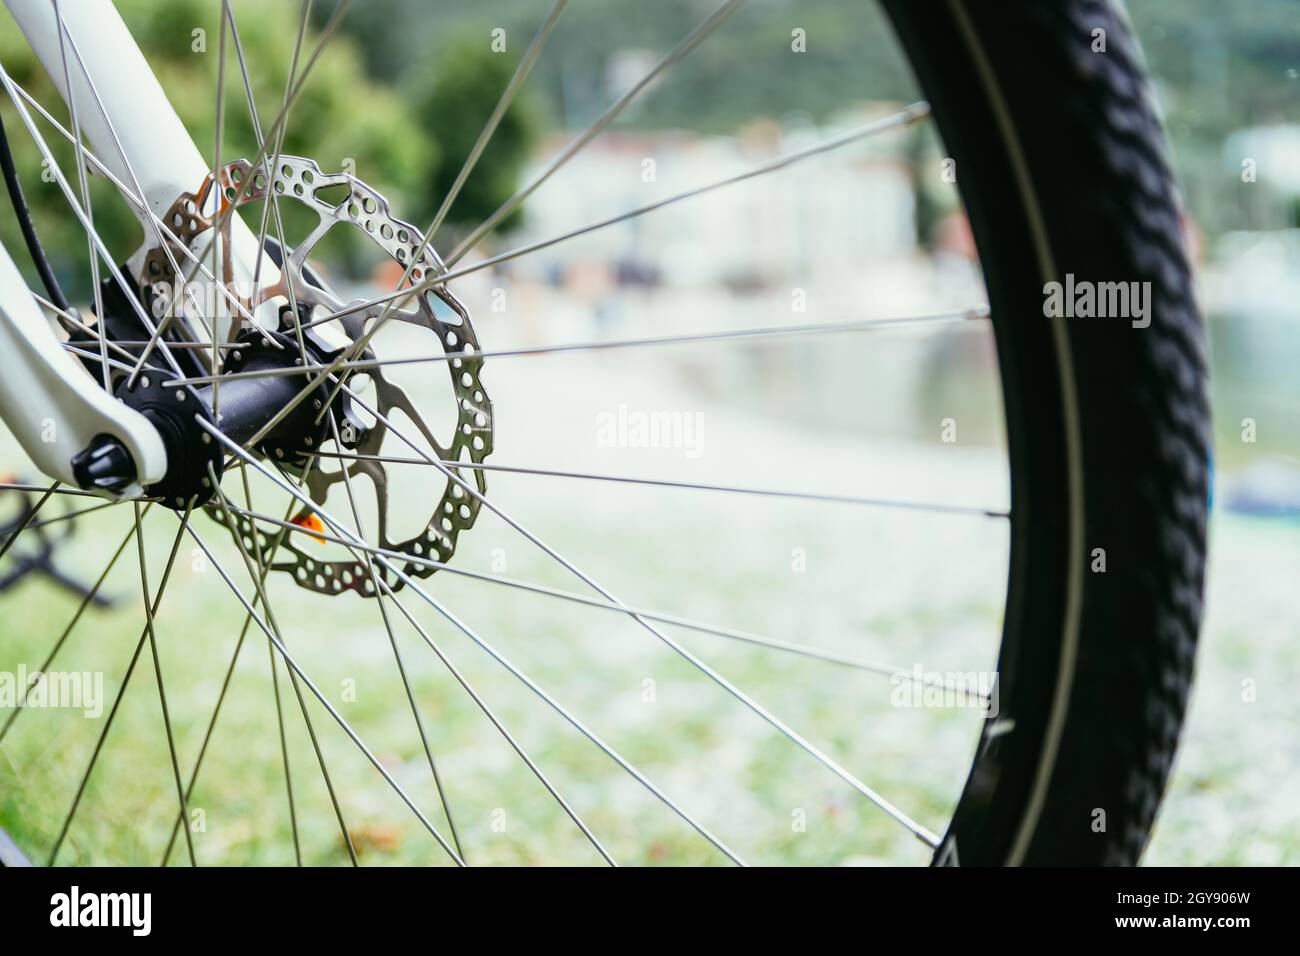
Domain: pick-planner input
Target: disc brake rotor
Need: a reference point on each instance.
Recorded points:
(366, 210)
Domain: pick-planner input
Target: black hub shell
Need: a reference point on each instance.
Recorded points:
(175, 412)
(246, 405)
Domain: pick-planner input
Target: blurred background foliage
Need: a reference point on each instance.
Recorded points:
(404, 106)
(344, 118)
(1222, 67)
(452, 97)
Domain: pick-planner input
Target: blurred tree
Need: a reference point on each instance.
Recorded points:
(746, 69)
(341, 118)
(1219, 67)
(452, 104)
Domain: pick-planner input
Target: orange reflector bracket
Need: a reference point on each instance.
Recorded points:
(309, 522)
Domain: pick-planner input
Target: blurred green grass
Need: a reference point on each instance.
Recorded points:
(740, 777)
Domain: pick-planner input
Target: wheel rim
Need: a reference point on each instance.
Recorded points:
(380, 562)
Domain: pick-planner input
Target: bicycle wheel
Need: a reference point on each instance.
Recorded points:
(1062, 172)
(1107, 422)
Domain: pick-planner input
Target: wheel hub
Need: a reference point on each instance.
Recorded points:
(247, 404)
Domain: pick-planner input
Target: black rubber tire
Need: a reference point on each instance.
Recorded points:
(1061, 164)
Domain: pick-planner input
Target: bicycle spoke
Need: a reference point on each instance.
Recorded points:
(913, 113)
(691, 41)
(279, 141)
(934, 507)
(596, 345)
(28, 518)
(503, 104)
(263, 569)
(86, 600)
(347, 728)
(383, 588)
(117, 700)
(272, 204)
(71, 492)
(215, 192)
(154, 222)
(223, 216)
(72, 515)
(96, 240)
(293, 678)
(111, 363)
(920, 832)
(221, 697)
(489, 128)
(905, 117)
(157, 670)
(167, 237)
(397, 654)
(69, 318)
(281, 118)
(284, 753)
(496, 722)
(83, 181)
(803, 650)
(498, 657)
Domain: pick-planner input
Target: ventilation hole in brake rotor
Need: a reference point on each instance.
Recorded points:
(334, 195)
(440, 309)
(415, 487)
(361, 384)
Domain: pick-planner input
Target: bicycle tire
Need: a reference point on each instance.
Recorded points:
(1062, 168)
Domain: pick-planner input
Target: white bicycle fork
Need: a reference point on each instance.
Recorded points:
(50, 404)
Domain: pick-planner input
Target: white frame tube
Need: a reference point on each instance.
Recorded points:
(42, 390)
(50, 404)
